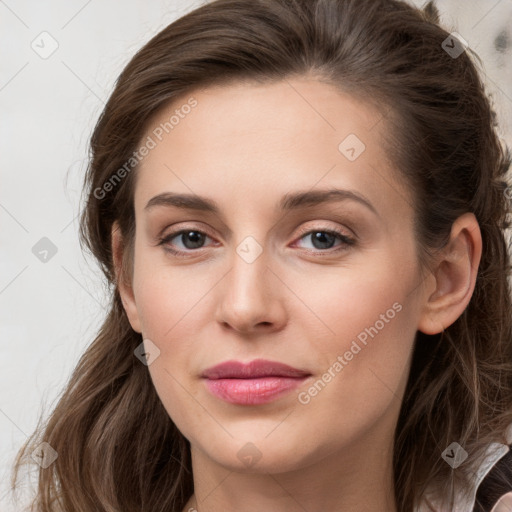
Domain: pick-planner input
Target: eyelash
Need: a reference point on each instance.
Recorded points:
(346, 241)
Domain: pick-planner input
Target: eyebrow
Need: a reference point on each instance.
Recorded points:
(290, 201)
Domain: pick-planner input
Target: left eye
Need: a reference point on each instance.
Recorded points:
(324, 239)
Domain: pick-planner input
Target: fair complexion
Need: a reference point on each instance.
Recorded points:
(302, 301)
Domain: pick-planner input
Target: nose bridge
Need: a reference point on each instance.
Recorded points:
(248, 298)
(247, 280)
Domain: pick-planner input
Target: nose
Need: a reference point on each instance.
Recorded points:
(251, 298)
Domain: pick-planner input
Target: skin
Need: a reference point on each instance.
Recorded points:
(246, 146)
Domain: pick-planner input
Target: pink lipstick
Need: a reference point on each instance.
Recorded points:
(257, 382)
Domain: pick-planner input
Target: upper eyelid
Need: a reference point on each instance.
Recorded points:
(305, 231)
(206, 231)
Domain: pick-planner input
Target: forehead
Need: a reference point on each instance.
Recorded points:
(248, 144)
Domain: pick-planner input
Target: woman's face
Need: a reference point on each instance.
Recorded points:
(272, 268)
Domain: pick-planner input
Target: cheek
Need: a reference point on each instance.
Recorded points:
(368, 329)
(167, 298)
(363, 373)
(346, 303)
(168, 303)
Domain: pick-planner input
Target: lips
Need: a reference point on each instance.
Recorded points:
(255, 383)
(255, 369)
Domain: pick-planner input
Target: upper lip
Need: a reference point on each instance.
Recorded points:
(253, 369)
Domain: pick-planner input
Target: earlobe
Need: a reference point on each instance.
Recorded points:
(123, 284)
(455, 276)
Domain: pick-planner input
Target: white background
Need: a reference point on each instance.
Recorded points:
(49, 312)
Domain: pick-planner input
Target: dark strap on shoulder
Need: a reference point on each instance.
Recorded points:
(496, 483)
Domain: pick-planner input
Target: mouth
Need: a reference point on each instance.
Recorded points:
(257, 382)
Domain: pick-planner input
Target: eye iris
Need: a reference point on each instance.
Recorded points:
(196, 237)
(320, 237)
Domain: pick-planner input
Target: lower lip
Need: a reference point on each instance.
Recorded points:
(252, 391)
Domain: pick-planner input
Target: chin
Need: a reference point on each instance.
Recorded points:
(257, 452)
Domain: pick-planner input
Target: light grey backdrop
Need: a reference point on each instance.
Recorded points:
(60, 60)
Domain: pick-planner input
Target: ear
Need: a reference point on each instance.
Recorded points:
(123, 283)
(455, 276)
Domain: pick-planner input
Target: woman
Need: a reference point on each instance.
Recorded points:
(301, 208)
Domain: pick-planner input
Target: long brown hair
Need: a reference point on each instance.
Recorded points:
(118, 450)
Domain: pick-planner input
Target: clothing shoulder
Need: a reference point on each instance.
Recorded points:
(494, 494)
(491, 490)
